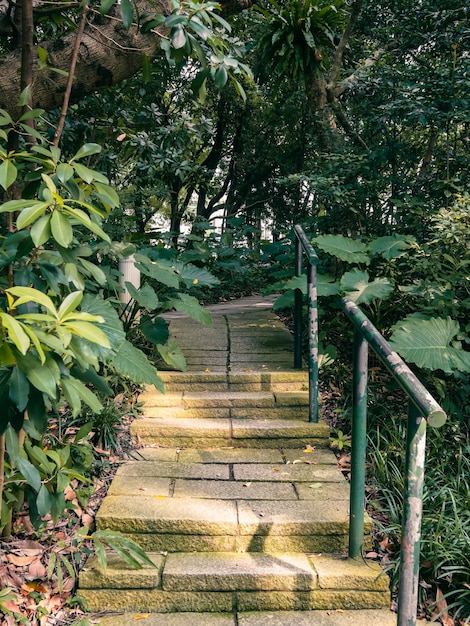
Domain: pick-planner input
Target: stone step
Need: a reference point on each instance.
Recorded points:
(229, 399)
(182, 516)
(216, 432)
(276, 412)
(216, 582)
(340, 617)
(241, 379)
(228, 404)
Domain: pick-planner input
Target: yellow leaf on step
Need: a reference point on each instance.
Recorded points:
(142, 616)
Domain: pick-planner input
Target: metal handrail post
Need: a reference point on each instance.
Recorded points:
(298, 309)
(312, 342)
(358, 446)
(412, 515)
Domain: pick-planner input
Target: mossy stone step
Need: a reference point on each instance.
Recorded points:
(230, 399)
(219, 432)
(227, 404)
(368, 617)
(234, 579)
(240, 379)
(254, 525)
(275, 412)
(295, 456)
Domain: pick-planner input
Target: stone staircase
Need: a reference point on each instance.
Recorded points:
(236, 497)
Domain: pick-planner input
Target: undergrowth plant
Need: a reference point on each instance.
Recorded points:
(445, 531)
(56, 327)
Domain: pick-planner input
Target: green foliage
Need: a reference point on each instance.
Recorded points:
(197, 32)
(163, 281)
(343, 248)
(445, 532)
(129, 551)
(356, 283)
(360, 290)
(296, 34)
(340, 440)
(53, 338)
(431, 343)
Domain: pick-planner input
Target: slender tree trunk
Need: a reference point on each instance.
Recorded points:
(73, 65)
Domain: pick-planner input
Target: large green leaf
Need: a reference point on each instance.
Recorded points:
(429, 343)
(30, 214)
(88, 331)
(155, 330)
(106, 194)
(165, 275)
(127, 13)
(8, 174)
(391, 247)
(30, 473)
(145, 296)
(61, 229)
(172, 355)
(343, 248)
(44, 376)
(112, 325)
(190, 306)
(131, 362)
(96, 272)
(326, 285)
(44, 501)
(86, 150)
(356, 285)
(192, 275)
(16, 332)
(37, 410)
(76, 392)
(19, 389)
(41, 230)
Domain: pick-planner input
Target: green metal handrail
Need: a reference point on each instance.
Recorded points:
(422, 410)
(303, 246)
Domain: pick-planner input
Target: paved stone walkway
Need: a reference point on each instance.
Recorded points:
(236, 496)
(246, 335)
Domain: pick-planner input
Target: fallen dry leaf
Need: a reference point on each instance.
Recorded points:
(35, 586)
(142, 616)
(21, 560)
(36, 571)
(86, 519)
(441, 610)
(371, 555)
(386, 544)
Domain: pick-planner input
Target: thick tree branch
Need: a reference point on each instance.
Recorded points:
(107, 55)
(99, 64)
(341, 47)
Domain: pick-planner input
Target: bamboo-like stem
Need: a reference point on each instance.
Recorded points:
(6, 531)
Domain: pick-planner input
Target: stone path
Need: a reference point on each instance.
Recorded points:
(235, 496)
(246, 336)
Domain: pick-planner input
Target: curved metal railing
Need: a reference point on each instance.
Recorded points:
(423, 409)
